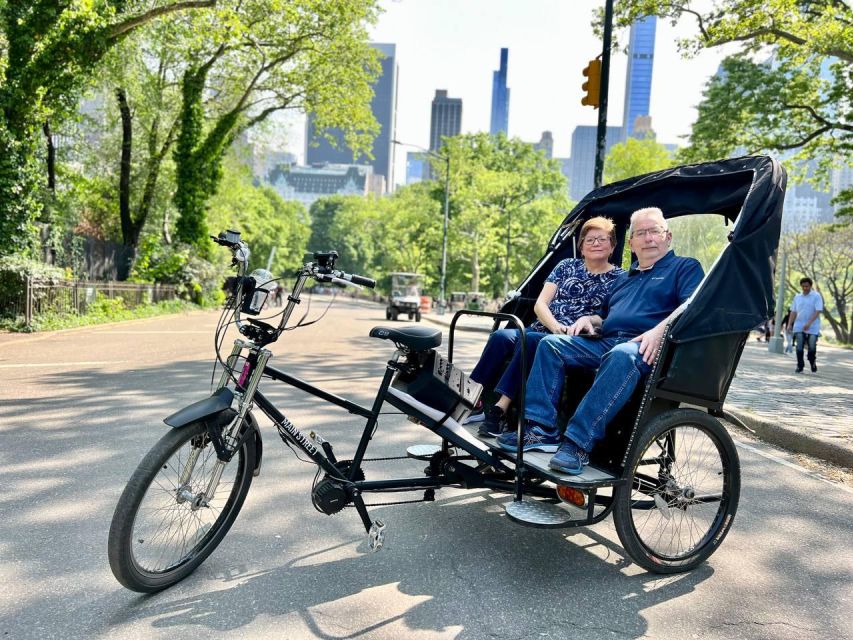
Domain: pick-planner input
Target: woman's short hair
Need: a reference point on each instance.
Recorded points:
(602, 224)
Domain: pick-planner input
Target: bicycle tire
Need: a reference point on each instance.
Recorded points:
(151, 515)
(673, 521)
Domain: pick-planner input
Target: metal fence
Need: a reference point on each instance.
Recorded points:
(76, 297)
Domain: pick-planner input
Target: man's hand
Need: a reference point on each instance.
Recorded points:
(806, 326)
(649, 343)
(580, 326)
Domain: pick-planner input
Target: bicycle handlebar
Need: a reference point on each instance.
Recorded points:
(320, 271)
(355, 279)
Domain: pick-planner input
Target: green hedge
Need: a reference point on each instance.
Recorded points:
(14, 271)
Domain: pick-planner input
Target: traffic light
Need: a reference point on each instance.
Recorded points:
(592, 86)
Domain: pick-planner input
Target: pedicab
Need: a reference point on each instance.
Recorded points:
(667, 469)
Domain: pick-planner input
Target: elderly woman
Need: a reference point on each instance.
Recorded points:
(574, 289)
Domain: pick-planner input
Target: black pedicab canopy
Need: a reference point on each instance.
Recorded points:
(737, 292)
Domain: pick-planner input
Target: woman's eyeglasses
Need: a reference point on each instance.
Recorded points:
(593, 241)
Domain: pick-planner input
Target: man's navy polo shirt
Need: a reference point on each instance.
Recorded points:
(641, 299)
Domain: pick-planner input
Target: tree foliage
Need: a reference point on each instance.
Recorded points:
(502, 191)
(507, 199)
(259, 57)
(266, 220)
(789, 86)
(635, 157)
(49, 50)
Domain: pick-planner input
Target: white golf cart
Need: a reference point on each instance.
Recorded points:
(405, 298)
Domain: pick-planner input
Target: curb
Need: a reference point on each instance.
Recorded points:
(795, 441)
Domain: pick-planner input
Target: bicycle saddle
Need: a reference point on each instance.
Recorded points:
(414, 338)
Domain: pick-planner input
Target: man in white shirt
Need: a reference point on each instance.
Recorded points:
(805, 322)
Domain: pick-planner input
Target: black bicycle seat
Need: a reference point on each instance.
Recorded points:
(413, 337)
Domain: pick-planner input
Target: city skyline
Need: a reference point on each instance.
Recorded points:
(551, 41)
(383, 106)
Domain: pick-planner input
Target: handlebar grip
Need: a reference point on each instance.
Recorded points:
(365, 282)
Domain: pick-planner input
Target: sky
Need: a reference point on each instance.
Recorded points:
(455, 45)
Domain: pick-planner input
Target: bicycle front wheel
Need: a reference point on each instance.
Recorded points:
(163, 527)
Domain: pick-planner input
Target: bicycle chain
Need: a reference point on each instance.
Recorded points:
(386, 504)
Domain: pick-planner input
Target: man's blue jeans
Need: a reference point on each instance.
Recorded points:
(801, 338)
(489, 371)
(620, 369)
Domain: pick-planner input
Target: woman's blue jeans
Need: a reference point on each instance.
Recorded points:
(489, 371)
(620, 369)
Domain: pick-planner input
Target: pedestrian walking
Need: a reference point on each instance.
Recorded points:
(805, 320)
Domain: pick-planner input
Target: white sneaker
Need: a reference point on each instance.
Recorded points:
(477, 415)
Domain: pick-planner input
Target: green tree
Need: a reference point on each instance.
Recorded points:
(635, 157)
(259, 57)
(495, 182)
(266, 220)
(352, 226)
(799, 100)
(48, 52)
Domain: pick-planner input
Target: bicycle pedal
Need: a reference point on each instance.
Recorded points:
(422, 451)
(376, 536)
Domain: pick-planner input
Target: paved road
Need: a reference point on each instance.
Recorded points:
(79, 408)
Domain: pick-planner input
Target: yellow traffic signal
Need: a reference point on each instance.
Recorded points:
(592, 86)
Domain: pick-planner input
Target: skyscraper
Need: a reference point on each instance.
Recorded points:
(546, 144)
(582, 161)
(445, 119)
(384, 107)
(638, 81)
(500, 97)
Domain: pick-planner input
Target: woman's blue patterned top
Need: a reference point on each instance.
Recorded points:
(579, 292)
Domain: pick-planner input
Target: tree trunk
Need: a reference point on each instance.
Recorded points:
(475, 269)
(129, 231)
(51, 157)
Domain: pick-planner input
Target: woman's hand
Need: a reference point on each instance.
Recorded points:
(580, 326)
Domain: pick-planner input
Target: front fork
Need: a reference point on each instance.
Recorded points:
(249, 379)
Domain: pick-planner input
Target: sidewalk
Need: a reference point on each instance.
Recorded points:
(810, 413)
(806, 412)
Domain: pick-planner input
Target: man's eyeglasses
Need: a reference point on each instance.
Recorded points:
(642, 233)
(592, 241)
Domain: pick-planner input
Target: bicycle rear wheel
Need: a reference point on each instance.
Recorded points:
(162, 529)
(682, 494)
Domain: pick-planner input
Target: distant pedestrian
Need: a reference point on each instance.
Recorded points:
(805, 321)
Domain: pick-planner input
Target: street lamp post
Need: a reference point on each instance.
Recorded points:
(442, 298)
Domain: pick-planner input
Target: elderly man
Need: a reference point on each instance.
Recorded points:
(621, 343)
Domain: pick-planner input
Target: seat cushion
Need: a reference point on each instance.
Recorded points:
(415, 337)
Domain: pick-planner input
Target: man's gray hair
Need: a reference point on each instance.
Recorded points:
(648, 212)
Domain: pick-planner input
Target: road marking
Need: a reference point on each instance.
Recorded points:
(791, 465)
(137, 332)
(61, 364)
